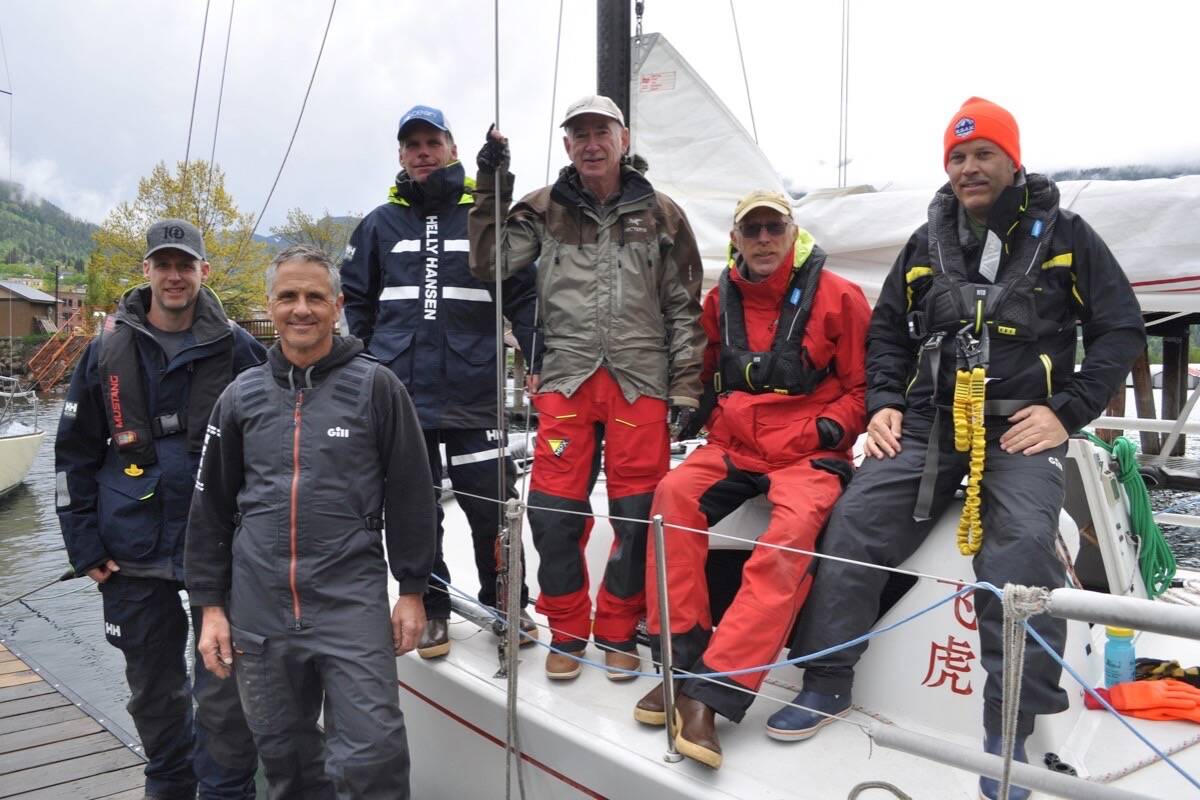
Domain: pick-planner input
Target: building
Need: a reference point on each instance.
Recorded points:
(25, 310)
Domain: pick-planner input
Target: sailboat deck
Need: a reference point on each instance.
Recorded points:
(53, 745)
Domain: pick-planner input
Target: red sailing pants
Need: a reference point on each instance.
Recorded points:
(565, 465)
(698, 494)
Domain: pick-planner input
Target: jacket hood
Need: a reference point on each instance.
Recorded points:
(569, 189)
(1030, 193)
(777, 281)
(443, 187)
(208, 322)
(293, 377)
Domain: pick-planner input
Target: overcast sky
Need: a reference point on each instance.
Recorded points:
(103, 90)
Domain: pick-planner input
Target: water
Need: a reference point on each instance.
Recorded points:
(65, 633)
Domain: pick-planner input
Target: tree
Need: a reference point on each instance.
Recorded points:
(328, 234)
(193, 194)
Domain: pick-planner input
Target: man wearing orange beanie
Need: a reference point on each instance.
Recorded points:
(971, 371)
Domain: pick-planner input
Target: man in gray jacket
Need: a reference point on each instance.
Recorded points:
(303, 459)
(619, 292)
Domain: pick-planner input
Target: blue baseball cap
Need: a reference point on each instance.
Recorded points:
(427, 114)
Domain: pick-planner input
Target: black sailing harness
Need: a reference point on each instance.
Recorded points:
(786, 367)
(130, 423)
(972, 313)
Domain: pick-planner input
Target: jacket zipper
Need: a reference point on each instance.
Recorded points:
(1048, 365)
(295, 500)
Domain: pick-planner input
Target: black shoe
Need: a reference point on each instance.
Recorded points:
(435, 639)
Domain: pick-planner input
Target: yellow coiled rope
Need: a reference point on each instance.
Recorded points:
(969, 435)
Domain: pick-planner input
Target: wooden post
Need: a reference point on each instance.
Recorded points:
(1115, 408)
(1175, 379)
(1143, 400)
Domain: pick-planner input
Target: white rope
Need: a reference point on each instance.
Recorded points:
(1186, 595)
(784, 548)
(1019, 603)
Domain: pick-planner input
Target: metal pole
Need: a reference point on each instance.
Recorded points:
(664, 638)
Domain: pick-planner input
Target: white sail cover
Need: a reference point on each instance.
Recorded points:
(1152, 227)
(702, 157)
(699, 154)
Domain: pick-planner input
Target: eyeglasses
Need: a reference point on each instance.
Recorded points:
(751, 229)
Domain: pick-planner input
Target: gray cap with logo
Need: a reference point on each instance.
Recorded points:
(177, 234)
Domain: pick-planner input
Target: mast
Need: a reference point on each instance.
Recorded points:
(613, 52)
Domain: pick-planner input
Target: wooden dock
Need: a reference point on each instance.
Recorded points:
(54, 746)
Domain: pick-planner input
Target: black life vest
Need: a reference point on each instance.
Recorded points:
(131, 425)
(786, 367)
(956, 307)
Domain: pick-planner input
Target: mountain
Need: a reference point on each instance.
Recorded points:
(34, 231)
(1125, 172)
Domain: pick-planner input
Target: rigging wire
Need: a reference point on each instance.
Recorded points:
(745, 77)
(299, 117)
(212, 155)
(195, 91)
(11, 100)
(554, 90)
(844, 100)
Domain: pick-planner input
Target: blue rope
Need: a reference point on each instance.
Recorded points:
(729, 673)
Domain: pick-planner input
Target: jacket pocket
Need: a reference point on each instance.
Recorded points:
(256, 684)
(395, 351)
(470, 369)
(131, 513)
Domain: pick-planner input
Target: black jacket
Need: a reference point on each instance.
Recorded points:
(411, 297)
(138, 520)
(1075, 280)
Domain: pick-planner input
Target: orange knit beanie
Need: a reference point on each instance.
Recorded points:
(981, 119)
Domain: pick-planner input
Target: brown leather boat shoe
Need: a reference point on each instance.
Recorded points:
(621, 660)
(651, 709)
(435, 639)
(696, 735)
(560, 667)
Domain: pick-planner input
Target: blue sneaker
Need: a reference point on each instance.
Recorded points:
(989, 788)
(791, 724)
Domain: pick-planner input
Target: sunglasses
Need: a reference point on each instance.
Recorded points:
(751, 229)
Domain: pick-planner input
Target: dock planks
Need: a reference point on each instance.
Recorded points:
(52, 747)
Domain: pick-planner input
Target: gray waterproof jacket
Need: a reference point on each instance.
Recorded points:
(618, 282)
(298, 471)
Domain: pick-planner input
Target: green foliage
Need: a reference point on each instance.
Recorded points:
(328, 234)
(192, 194)
(33, 231)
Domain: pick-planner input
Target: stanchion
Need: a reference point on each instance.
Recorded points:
(664, 638)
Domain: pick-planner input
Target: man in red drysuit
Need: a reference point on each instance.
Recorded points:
(785, 365)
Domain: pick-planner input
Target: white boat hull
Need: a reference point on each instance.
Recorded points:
(579, 738)
(17, 452)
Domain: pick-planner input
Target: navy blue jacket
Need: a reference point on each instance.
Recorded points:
(411, 298)
(138, 521)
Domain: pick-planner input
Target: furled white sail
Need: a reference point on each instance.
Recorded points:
(699, 154)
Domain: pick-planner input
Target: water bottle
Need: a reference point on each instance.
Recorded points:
(1119, 658)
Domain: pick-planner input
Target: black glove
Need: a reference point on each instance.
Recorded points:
(493, 155)
(829, 433)
(679, 422)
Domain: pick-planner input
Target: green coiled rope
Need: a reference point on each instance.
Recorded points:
(1155, 559)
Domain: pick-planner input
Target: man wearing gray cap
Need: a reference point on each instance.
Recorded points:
(126, 456)
(619, 296)
(411, 298)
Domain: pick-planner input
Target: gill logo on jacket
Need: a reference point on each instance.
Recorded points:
(338, 433)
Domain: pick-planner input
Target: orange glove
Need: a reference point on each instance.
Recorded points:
(1162, 700)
